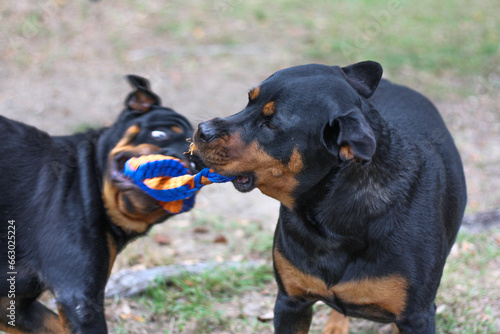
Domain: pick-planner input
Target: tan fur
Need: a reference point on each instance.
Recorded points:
(141, 101)
(388, 292)
(346, 153)
(269, 109)
(176, 129)
(337, 324)
(47, 321)
(254, 93)
(51, 325)
(145, 210)
(64, 319)
(273, 178)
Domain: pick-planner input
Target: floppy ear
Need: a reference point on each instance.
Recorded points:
(349, 137)
(142, 98)
(364, 77)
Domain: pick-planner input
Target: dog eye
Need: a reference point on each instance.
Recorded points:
(159, 135)
(268, 125)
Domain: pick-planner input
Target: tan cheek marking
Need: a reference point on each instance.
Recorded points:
(254, 93)
(111, 199)
(231, 155)
(274, 178)
(389, 293)
(138, 221)
(127, 138)
(295, 164)
(176, 129)
(269, 109)
(145, 211)
(64, 319)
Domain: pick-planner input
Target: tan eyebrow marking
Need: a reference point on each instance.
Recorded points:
(254, 93)
(269, 109)
(176, 129)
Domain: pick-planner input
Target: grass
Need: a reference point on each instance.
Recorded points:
(447, 36)
(193, 298)
(467, 300)
(469, 290)
(258, 241)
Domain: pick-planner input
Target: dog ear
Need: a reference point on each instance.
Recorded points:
(142, 98)
(364, 77)
(349, 137)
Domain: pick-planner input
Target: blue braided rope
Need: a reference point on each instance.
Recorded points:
(171, 168)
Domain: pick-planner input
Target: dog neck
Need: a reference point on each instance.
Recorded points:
(353, 195)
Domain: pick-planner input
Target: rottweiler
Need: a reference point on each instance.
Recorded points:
(67, 211)
(371, 186)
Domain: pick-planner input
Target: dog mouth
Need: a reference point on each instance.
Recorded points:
(117, 175)
(122, 182)
(218, 159)
(244, 183)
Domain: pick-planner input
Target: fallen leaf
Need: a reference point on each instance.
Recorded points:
(468, 247)
(200, 229)
(138, 318)
(220, 239)
(162, 240)
(189, 283)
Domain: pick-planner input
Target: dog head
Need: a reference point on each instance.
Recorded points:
(298, 125)
(144, 127)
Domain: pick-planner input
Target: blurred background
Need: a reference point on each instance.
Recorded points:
(62, 69)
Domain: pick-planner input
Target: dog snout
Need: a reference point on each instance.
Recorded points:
(206, 132)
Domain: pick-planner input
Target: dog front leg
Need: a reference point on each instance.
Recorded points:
(419, 322)
(292, 315)
(82, 313)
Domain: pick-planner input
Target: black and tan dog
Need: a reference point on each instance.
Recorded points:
(67, 210)
(371, 186)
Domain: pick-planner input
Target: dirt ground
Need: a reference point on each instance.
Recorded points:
(63, 65)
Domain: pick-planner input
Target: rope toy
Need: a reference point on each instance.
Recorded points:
(169, 181)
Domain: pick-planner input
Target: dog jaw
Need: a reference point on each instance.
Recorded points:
(230, 156)
(127, 205)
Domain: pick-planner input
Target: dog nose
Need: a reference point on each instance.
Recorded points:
(206, 132)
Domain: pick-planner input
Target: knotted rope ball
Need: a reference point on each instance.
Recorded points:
(169, 181)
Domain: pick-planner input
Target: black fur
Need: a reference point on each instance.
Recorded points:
(52, 187)
(381, 192)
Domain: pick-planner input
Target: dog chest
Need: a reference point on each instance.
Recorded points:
(382, 298)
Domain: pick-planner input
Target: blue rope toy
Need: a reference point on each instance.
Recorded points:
(169, 181)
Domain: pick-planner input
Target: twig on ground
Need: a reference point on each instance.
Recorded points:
(127, 282)
(481, 221)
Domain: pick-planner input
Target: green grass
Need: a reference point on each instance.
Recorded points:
(469, 288)
(467, 299)
(460, 37)
(84, 127)
(194, 297)
(257, 240)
